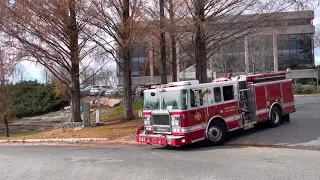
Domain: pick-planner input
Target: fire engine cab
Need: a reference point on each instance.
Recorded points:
(186, 112)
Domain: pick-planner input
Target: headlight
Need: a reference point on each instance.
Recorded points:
(175, 120)
(147, 120)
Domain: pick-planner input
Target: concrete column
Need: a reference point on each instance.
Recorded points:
(211, 63)
(151, 60)
(246, 56)
(178, 61)
(211, 67)
(86, 114)
(275, 53)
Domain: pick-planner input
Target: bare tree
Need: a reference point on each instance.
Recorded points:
(317, 37)
(173, 35)
(20, 72)
(163, 16)
(51, 33)
(260, 54)
(214, 24)
(163, 44)
(6, 106)
(228, 59)
(106, 76)
(47, 75)
(87, 77)
(120, 30)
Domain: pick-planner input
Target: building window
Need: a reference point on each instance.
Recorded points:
(138, 60)
(295, 51)
(297, 22)
(289, 22)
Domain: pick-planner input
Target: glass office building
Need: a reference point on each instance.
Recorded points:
(295, 51)
(288, 44)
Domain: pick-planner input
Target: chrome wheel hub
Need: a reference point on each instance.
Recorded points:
(215, 133)
(275, 117)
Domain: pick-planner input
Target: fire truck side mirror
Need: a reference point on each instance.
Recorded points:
(197, 100)
(140, 114)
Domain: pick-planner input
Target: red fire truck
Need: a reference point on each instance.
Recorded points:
(186, 112)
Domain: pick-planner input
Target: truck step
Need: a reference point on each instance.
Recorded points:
(249, 126)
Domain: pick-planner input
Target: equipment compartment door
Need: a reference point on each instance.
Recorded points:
(287, 97)
(261, 102)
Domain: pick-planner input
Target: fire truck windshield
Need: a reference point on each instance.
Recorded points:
(168, 100)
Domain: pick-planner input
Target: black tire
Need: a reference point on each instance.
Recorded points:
(276, 117)
(217, 133)
(286, 118)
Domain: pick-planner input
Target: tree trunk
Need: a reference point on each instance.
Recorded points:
(200, 51)
(163, 45)
(75, 72)
(7, 127)
(127, 96)
(128, 100)
(174, 59)
(173, 43)
(75, 96)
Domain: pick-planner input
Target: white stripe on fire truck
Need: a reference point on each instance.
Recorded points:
(197, 140)
(288, 104)
(232, 118)
(204, 125)
(198, 127)
(261, 111)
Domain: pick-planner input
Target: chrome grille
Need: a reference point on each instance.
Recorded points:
(161, 129)
(163, 120)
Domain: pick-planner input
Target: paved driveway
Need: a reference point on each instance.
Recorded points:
(145, 163)
(303, 130)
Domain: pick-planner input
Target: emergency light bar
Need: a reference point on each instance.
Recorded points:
(266, 77)
(184, 83)
(175, 84)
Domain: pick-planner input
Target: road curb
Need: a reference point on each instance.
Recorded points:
(306, 95)
(75, 140)
(275, 145)
(126, 141)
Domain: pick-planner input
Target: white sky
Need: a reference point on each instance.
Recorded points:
(317, 22)
(33, 71)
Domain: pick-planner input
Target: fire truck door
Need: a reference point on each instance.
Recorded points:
(230, 103)
(198, 112)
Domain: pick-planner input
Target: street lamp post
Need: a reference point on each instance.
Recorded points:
(92, 76)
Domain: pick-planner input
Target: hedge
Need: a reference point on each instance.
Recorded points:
(305, 89)
(32, 98)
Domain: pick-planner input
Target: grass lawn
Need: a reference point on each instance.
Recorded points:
(117, 112)
(113, 128)
(120, 129)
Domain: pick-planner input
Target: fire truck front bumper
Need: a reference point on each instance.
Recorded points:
(163, 140)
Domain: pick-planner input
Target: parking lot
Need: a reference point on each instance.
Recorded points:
(303, 130)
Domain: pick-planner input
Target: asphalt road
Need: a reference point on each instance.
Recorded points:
(223, 163)
(303, 130)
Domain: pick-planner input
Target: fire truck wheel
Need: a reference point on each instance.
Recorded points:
(275, 119)
(286, 118)
(217, 133)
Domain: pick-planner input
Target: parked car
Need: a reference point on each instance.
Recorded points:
(97, 90)
(110, 92)
(140, 89)
(119, 91)
(86, 91)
